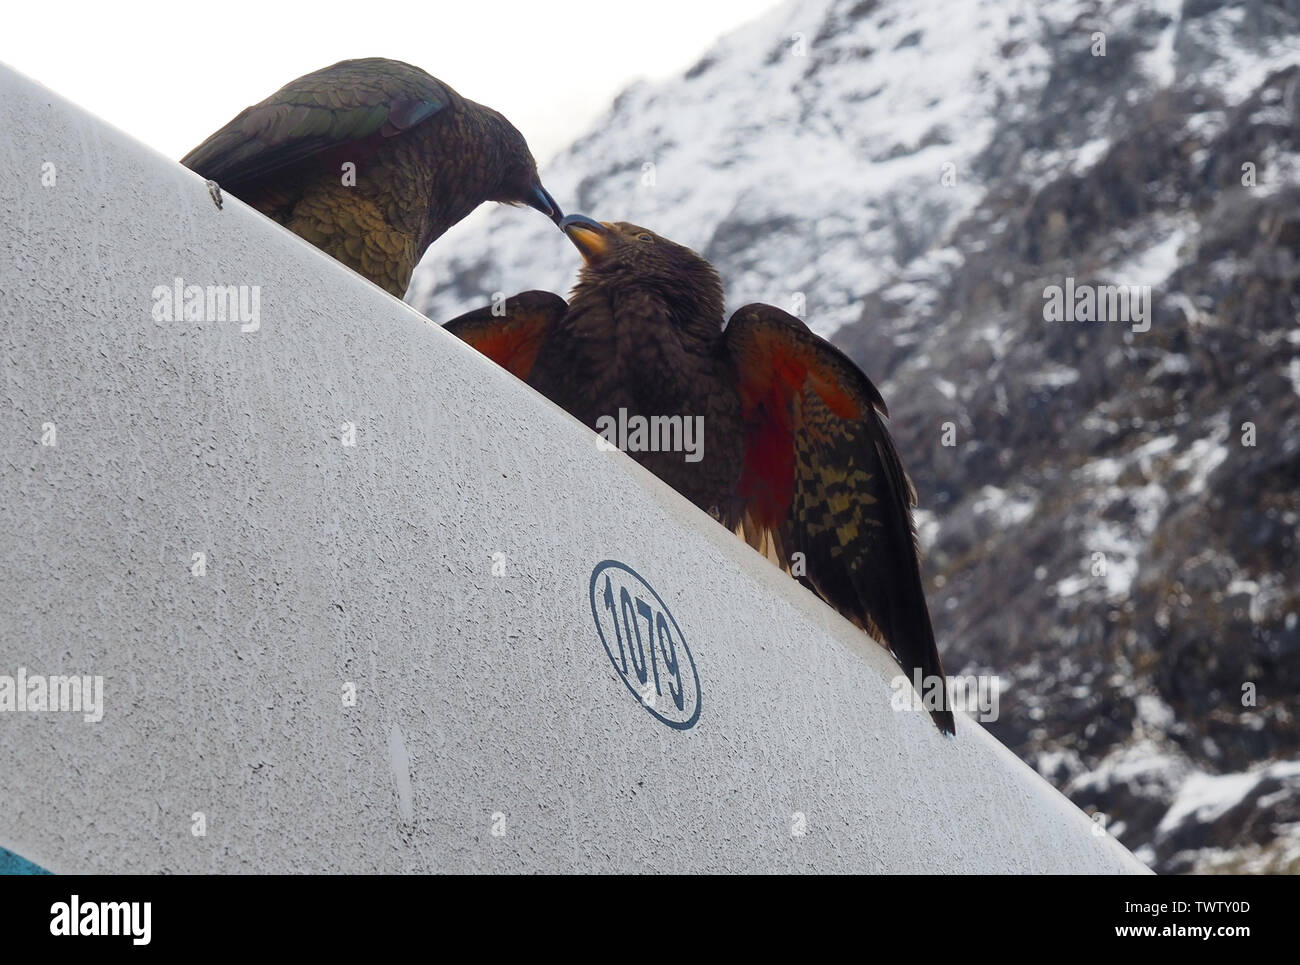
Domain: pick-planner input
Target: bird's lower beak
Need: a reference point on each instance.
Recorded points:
(591, 238)
(541, 200)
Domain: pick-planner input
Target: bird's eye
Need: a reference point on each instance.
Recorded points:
(645, 236)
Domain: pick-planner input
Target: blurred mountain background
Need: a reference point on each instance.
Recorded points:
(1111, 526)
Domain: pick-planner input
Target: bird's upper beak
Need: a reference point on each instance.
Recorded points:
(591, 238)
(541, 200)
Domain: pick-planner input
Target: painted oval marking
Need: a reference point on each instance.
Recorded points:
(644, 644)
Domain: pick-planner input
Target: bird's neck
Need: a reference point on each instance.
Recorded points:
(473, 169)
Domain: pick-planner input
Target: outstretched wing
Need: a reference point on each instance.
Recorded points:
(512, 338)
(330, 108)
(821, 478)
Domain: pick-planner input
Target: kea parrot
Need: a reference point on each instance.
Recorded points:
(796, 458)
(371, 161)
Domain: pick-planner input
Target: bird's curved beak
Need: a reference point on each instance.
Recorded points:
(541, 200)
(590, 237)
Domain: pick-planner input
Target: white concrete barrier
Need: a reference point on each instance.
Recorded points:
(184, 518)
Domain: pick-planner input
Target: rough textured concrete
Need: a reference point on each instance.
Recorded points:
(492, 731)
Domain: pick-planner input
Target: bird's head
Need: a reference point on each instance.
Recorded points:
(627, 257)
(519, 181)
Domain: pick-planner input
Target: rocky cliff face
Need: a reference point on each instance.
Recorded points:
(1109, 507)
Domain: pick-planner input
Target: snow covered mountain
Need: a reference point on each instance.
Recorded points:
(802, 154)
(1109, 511)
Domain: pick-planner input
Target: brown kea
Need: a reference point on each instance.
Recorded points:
(796, 458)
(422, 157)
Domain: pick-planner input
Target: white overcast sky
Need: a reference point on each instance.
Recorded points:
(171, 73)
